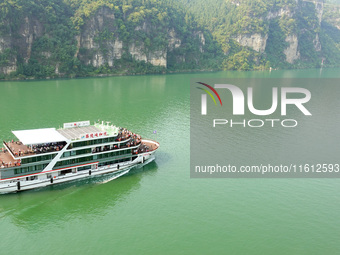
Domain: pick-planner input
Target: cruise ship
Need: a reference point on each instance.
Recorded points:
(49, 156)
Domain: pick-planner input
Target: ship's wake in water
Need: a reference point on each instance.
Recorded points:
(109, 177)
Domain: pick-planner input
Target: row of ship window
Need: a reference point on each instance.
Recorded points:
(91, 142)
(87, 151)
(82, 151)
(113, 162)
(112, 154)
(94, 157)
(75, 153)
(28, 169)
(38, 158)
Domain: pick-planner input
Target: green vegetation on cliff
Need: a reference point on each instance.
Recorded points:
(53, 38)
(239, 26)
(40, 38)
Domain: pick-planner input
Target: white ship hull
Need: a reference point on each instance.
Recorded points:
(21, 184)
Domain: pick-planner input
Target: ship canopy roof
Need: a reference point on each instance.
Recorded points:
(39, 136)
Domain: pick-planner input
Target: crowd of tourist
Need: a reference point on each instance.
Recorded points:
(47, 147)
(9, 164)
(123, 135)
(126, 134)
(143, 148)
(4, 164)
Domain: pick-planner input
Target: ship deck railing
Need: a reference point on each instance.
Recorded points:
(11, 155)
(94, 150)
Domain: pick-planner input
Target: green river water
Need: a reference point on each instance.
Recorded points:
(157, 209)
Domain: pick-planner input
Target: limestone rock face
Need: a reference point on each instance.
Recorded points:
(316, 43)
(284, 15)
(158, 58)
(291, 51)
(319, 10)
(255, 41)
(136, 51)
(20, 43)
(5, 42)
(30, 31)
(282, 12)
(11, 65)
(88, 40)
(174, 41)
(90, 49)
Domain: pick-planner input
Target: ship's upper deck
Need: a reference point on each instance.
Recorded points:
(30, 143)
(14, 151)
(87, 131)
(48, 140)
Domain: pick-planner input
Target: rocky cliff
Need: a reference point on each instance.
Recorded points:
(109, 37)
(79, 37)
(256, 41)
(288, 19)
(19, 43)
(97, 52)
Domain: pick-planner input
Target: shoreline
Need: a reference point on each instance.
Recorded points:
(108, 75)
(151, 73)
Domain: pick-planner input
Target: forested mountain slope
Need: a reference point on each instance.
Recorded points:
(68, 38)
(272, 33)
(50, 38)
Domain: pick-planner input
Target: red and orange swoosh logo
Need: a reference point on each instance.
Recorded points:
(208, 92)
